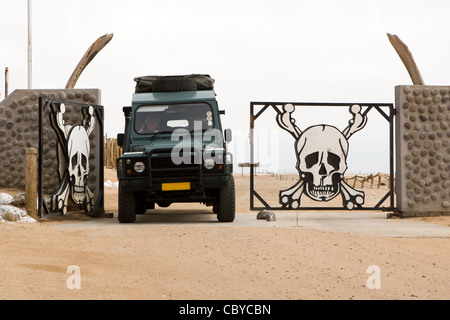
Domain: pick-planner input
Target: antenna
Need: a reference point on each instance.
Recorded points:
(29, 46)
(6, 81)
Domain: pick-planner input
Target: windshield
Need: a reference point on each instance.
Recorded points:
(167, 118)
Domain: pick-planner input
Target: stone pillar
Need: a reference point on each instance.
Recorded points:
(422, 150)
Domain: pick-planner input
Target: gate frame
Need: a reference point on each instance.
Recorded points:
(98, 208)
(377, 106)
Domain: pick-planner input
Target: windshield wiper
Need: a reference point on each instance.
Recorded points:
(193, 130)
(157, 133)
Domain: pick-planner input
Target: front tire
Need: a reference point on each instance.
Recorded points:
(226, 203)
(127, 207)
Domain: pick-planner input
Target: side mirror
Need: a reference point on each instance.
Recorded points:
(127, 111)
(228, 135)
(120, 139)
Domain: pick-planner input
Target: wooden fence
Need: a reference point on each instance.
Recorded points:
(378, 180)
(111, 152)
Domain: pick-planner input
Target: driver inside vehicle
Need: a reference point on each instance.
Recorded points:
(200, 122)
(151, 124)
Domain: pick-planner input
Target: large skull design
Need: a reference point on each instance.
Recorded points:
(321, 161)
(78, 149)
(321, 152)
(74, 165)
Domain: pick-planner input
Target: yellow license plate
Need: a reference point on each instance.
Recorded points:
(176, 186)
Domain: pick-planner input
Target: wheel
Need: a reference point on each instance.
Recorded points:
(173, 84)
(127, 207)
(226, 203)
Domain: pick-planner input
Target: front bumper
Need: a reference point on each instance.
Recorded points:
(164, 179)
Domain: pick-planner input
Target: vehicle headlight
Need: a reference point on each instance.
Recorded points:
(209, 163)
(139, 167)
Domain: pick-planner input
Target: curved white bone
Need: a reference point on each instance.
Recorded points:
(286, 122)
(60, 120)
(356, 123)
(59, 199)
(89, 121)
(89, 198)
(352, 197)
(291, 197)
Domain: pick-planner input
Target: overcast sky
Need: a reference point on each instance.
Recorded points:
(284, 50)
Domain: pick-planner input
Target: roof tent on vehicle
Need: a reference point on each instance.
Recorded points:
(192, 82)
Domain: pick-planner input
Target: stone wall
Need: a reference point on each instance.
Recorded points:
(19, 129)
(422, 150)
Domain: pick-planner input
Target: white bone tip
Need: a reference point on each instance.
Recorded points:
(355, 108)
(289, 108)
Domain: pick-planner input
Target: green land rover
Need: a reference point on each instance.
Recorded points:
(174, 148)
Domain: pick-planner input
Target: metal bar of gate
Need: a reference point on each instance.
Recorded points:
(40, 197)
(391, 155)
(252, 126)
(377, 106)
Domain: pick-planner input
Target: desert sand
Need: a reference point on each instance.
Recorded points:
(186, 261)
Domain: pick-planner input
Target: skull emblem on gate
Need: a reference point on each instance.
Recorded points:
(321, 152)
(322, 162)
(78, 149)
(76, 172)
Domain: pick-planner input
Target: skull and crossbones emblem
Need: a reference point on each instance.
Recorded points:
(76, 172)
(321, 152)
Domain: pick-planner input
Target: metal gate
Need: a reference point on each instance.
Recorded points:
(77, 162)
(321, 151)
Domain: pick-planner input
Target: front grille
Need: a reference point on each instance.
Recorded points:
(166, 162)
(164, 167)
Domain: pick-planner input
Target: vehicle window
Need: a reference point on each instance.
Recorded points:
(167, 118)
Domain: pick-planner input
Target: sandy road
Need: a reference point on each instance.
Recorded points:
(215, 261)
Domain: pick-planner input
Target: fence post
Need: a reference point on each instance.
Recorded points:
(31, 182)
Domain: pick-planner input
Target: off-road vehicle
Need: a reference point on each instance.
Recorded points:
(174, 149)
